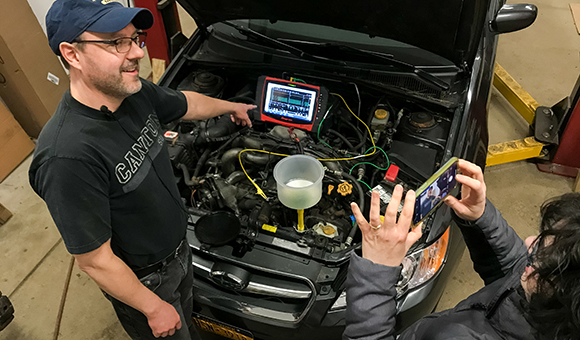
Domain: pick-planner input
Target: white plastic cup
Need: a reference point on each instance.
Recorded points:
(299, 181)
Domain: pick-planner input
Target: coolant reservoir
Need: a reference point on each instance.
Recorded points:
(299, 181)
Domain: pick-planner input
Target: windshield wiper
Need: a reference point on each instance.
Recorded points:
(392, 61)
(248, 32)
(428, 77)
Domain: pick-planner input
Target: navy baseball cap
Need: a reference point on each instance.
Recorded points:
(67, 19)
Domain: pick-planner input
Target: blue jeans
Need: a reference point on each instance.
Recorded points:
(173, 283)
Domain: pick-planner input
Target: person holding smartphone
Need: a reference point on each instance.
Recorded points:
(532, 289)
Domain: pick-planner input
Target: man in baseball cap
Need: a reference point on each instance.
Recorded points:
(66, 20)
(103, 169)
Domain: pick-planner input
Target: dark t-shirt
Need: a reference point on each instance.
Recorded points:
(108, 176)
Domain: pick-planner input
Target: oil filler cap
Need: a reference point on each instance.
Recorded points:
(344, 188)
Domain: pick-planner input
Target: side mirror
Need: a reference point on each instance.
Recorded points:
(512, 18)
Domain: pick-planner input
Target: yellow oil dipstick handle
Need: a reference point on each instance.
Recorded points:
(300, 220)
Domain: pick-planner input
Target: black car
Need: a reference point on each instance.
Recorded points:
(381, 92)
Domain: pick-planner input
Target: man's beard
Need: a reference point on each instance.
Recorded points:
(114, 85)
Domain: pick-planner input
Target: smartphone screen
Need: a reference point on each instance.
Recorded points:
(430, 195)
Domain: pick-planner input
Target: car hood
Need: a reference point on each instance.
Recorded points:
(449, 28)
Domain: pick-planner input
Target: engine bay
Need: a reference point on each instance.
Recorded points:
(364, 138)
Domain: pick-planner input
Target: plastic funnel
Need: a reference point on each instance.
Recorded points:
(299, 181)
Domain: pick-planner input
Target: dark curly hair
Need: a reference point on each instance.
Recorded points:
(555, 303)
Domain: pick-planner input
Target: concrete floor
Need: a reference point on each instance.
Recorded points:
(543, 58)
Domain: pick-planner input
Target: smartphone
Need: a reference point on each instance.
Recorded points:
(430, 195)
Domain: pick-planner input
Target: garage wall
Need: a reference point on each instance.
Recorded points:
(40, 8)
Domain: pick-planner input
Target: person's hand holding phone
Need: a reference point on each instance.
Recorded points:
(472, 203)
(387, 242)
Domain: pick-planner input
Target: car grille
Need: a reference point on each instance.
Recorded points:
(263, 295)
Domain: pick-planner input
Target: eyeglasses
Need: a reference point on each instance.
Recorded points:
(123, 45)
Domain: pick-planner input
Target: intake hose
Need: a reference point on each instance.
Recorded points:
(186, 178)
(228, 160)
(265, 213)
(218, 132)
(200, 163)
(248, 204)
(232, 139)
(252, 143)
(258, 158)
(235, 177)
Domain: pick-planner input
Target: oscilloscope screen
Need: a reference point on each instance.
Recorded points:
(291, 102)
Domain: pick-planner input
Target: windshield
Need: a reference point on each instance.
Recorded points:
(325, 34)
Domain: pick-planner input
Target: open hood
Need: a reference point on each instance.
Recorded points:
(449, 28)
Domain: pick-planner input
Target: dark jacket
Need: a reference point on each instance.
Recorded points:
(497, 311)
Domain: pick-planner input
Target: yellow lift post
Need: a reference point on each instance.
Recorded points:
(523, 102)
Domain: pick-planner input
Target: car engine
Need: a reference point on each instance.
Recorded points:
(365, 140)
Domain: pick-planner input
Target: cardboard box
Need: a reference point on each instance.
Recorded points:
(32, 79)
(15, 145)
(5, 214)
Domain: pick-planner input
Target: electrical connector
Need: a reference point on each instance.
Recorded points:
(170, 136)
(360, 173)
(392, 173)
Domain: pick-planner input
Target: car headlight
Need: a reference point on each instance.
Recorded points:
(418, 268)
(422, 265)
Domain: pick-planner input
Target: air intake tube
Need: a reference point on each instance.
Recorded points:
(218, 132)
